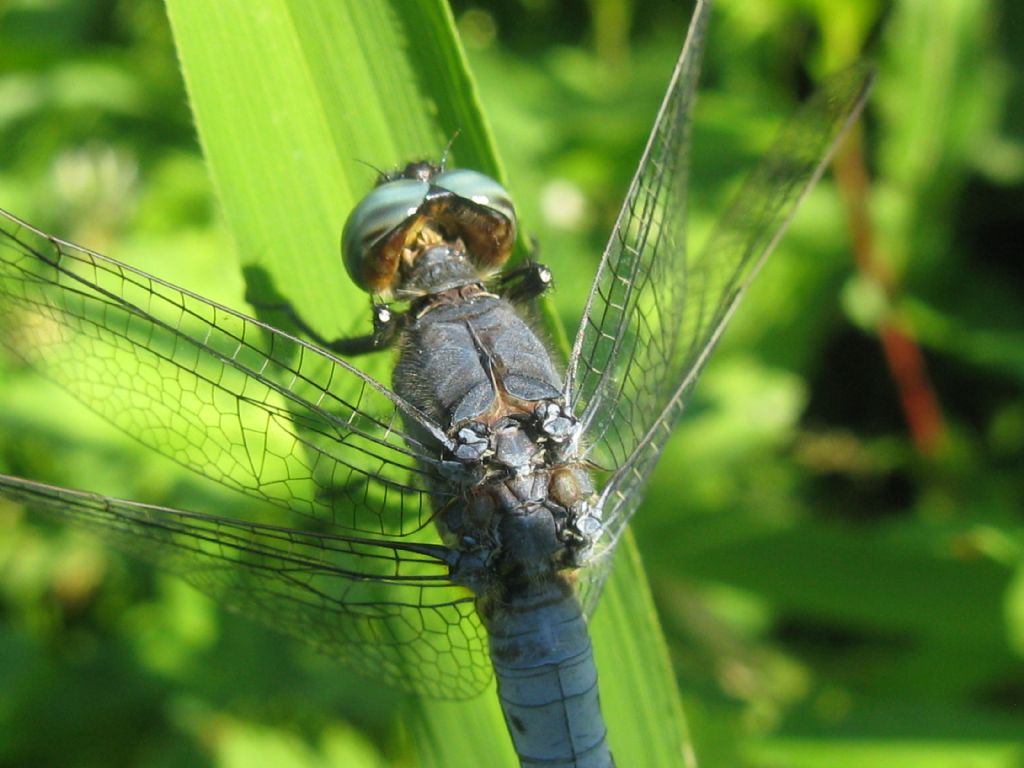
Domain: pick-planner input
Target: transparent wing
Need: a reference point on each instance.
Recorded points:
(383, 609)
(656, 311)
(622, 363)
(222, 394)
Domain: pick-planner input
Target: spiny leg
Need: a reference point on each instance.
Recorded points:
(275, 309)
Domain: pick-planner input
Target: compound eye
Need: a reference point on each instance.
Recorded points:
(370, 260)
(477, 188)
(480, 211)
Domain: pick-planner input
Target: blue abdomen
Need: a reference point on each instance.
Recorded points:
(547, 681)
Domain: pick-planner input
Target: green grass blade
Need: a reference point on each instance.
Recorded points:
(288, 97)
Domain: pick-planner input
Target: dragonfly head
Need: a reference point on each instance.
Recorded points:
(419, 207)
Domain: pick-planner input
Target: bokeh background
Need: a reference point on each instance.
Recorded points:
(834, 536)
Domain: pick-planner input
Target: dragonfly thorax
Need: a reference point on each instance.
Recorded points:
(520, 529)
(511, 493)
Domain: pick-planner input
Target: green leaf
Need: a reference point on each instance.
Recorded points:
(886, 754)
(288, 98)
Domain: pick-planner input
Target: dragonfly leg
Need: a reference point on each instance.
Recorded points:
(523, 283)
(274, 308)
(386, 326)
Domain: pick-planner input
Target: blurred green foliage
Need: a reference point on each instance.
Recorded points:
(834, 589)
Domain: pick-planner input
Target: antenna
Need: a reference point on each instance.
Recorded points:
(448, 148)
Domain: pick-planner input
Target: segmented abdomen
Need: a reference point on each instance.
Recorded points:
(547, 681)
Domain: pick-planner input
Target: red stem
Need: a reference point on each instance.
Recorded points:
(903, 355)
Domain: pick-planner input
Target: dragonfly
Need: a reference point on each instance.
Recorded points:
(457, 524)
